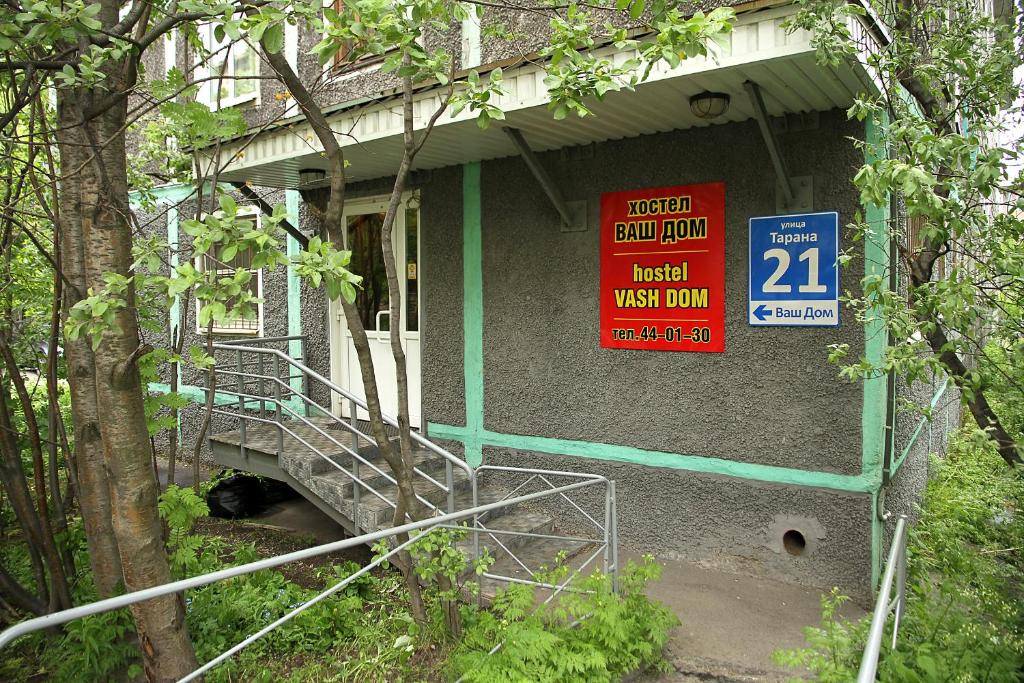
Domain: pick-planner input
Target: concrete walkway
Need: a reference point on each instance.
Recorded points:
(731, 624)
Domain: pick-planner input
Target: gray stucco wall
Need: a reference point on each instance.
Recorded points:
(772, 397)
(275, 321)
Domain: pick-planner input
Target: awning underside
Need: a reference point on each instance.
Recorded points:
(782, 64)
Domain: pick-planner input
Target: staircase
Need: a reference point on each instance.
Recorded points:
(334, 462)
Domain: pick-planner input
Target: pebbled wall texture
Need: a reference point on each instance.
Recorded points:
(772, 398)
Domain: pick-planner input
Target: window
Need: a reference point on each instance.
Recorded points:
(341, 56)
(253, 323)
(231, 68)
(342, 63)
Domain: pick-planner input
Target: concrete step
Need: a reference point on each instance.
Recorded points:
(304, 464)
(374, 513)
(521, 520)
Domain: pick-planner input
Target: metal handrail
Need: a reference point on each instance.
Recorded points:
(305, 399)
(895, 568)
(48, 621)
(313, 374)
(316, 451)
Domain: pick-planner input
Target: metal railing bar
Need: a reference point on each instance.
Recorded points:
(510, 553)
(576, 572)
(516, 489)
(416, 470)
(527, 582)
(335, 418)
(873, 648)
(314, 450)
(573, 503)
(526, 534)
(250, 341)
(550, 473)
(227, 654)
(127, 599)
(429, 445)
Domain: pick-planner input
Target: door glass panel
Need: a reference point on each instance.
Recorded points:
(364, 239)
(412, 275)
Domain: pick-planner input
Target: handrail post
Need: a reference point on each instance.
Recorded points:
(901, 587)
(241, 402)
(449, 476)
(262, 386)
(305, 377)
(476, 533)
(873, 647)
(357, 482)
(614, 534)
(277, 407)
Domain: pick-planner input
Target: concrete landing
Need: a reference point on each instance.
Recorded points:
(731, 624)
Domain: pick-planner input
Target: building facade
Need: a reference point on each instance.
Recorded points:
(749, 454)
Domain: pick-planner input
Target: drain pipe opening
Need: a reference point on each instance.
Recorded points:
(794, 542)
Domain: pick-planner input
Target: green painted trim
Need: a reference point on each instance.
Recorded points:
(472, 313)
(173, 193)
(174, 315)
(873, 411)
(920, 427)
(640, 456)
(291, 202)
(198, 395)
(876, 539)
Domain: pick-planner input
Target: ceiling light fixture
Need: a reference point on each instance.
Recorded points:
(709, 105)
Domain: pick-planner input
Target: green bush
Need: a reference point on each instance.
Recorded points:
(963, 620)
(592, 634)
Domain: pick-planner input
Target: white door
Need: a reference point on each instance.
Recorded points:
(363, 222)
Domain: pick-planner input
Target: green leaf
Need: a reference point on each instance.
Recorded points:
(273, 38)
(228, 205)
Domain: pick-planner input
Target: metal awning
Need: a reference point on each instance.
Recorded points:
(759, 50)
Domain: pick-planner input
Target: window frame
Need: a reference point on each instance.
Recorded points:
(248, 212)
(363, 65)
(208, 90)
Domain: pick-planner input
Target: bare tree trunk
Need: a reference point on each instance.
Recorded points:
(13, 478)
(60, 592)
(982, 411)
(22, 598)
(211, 393)
(408, 506)
(177, 346)
(101, 210)
(94, 487)
(53, 421)
(452, 616)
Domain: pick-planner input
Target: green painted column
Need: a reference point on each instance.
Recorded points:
(876, 264)
(291, 203)
(473, 313)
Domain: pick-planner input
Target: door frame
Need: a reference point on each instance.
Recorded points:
(337, 334)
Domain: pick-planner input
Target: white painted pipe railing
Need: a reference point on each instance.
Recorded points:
(895, 577)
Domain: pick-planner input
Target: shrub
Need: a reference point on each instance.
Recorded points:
(963, 622)
(595, 634)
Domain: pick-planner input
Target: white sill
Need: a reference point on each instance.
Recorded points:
(227, 331)
(232, 102)
(371, 66)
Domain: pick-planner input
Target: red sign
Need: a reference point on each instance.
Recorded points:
(663, 268)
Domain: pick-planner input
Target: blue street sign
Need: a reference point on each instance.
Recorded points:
(794, 270)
